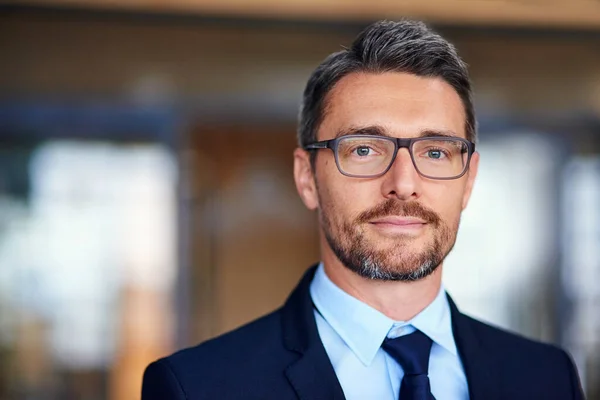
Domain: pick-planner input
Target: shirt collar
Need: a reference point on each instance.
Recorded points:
(435, 322)
(363, 328)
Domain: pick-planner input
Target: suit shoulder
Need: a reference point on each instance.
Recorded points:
(249, 338)
(546, 370)
(259, 342)
(243, 363)
(511, 343)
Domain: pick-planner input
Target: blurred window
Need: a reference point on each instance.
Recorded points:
(87, 270)
(580, 270)
(502, 266)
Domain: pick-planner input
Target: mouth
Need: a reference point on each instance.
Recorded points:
(398, 221)
(399, 225)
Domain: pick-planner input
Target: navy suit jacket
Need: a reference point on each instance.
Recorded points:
(280, 356)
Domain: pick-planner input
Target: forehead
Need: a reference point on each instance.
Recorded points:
(403, 104)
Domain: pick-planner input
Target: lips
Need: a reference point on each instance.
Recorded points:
(399, 221)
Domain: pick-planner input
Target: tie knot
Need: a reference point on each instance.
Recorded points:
(410, 351)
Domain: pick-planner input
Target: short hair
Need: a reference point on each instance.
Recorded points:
(386, 46)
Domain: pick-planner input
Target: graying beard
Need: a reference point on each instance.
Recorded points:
(364, 264)
(372, 270)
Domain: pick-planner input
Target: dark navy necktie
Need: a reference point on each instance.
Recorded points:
(412, 353)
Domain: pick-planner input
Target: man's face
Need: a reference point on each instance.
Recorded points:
(399, 226)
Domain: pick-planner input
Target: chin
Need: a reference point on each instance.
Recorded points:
(406, 242)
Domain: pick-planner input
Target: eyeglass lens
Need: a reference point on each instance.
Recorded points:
(368, 156)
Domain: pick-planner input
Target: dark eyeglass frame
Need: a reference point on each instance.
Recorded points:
(399, 143)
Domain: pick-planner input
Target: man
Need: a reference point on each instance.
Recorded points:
(387, 159)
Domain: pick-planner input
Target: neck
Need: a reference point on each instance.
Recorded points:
(400, 301)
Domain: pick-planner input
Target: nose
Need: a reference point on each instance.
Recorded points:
(402, 181)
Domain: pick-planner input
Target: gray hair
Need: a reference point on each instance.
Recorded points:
(387, 46)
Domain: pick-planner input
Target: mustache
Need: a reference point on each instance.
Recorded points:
(393, 207)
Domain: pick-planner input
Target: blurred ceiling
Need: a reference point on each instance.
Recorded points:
(580, 14)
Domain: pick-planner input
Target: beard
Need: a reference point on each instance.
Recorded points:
(399, 263)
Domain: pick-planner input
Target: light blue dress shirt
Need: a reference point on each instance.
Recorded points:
(352, 333)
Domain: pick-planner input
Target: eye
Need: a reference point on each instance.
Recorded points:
(435, 154)
(363, 151)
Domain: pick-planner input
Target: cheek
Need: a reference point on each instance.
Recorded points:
(446, 200)
(344, 196)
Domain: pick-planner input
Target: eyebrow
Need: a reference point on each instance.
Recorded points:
(374, 130)
(377, 130)
(435, 132)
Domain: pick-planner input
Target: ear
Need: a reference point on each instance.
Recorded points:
(471, 175)
(305, 180)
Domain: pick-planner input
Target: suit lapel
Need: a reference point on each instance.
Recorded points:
(311, 375)
(314, 378)
(478, 363)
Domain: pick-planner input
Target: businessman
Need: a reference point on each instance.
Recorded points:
(387, 160)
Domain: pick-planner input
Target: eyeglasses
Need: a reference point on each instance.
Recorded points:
(369, 156)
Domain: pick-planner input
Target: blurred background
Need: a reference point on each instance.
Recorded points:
(146, 192)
